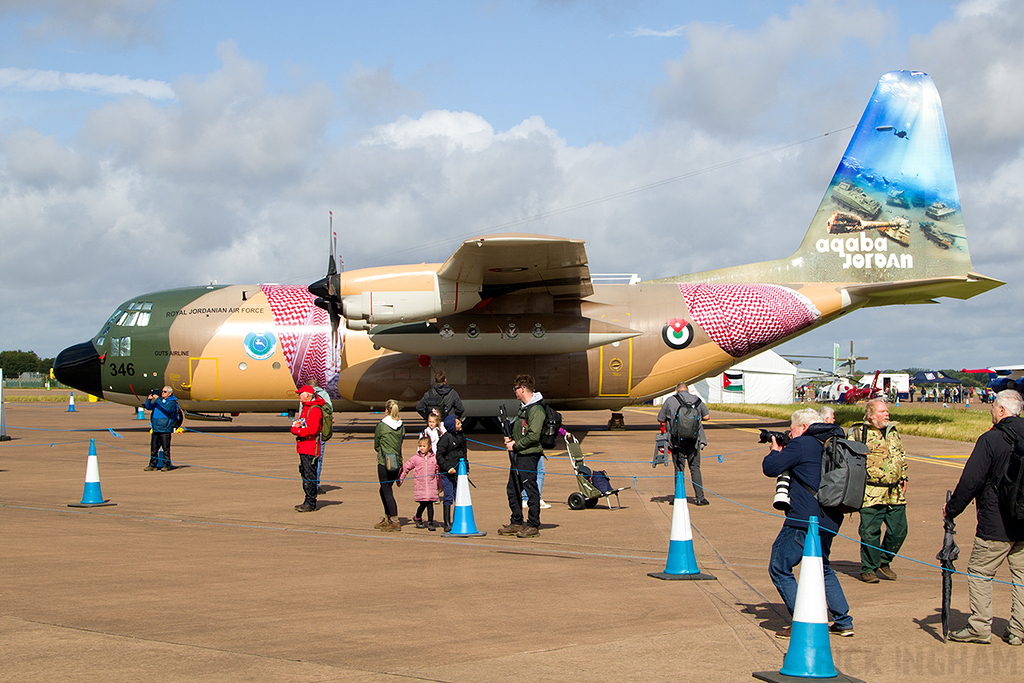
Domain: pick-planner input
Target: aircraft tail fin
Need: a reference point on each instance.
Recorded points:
(889, 226)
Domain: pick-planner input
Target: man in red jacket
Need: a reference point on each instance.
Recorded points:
(307, 442)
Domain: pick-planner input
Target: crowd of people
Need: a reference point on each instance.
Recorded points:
(999, 536)
(883, 511)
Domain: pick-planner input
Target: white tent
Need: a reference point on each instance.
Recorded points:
(764, 378)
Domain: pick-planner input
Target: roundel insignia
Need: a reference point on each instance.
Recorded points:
(677, 333)
(260, 345)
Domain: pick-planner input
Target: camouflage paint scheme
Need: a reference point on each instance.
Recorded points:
(506, 304)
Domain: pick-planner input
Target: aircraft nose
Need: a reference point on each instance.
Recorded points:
(79, 367)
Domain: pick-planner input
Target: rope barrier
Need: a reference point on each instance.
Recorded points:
(635, 479)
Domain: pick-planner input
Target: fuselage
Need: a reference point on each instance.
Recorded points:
(244, 348)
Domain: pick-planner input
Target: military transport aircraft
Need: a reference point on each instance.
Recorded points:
(510, 303)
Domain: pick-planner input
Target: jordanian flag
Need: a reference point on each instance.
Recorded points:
(732, 380)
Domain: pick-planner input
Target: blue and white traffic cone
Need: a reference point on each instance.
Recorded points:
(810, 653)
(71, 403)
(92, 496)
(463, 523)
(140, 414)
(682, 563)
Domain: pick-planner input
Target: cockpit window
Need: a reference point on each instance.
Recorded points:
(134, 314)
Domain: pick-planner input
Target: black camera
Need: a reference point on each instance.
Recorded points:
(782, 438)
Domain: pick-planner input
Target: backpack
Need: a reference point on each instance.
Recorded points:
(1010, 482)
(684, 424)
(844, 475)
(326, 414)
(179, 418)
(552, 425)
(432, 401)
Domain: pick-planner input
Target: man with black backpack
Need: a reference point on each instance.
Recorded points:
(802, 458)
(988, 479)
(440, 398)
(525, 451)
(682, 416)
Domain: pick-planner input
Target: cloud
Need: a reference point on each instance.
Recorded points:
(36, 80)
(739, 81)
(120, 22)
(643, 32)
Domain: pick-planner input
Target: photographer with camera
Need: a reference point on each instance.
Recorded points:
(166, 417)
(801, 456)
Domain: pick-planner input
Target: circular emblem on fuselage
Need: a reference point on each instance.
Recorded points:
(260, 345)
(677, 333)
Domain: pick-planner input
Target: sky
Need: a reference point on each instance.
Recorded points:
(150, 144)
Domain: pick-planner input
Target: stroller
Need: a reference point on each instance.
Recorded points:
(593, 485)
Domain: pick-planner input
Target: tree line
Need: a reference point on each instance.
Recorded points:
(14, 363)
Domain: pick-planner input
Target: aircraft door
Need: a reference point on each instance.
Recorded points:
(204, 379)
(616, 377)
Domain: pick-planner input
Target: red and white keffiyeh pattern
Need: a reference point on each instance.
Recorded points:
(305, 333)
(744, 318)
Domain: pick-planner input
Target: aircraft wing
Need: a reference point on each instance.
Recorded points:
(507, 263)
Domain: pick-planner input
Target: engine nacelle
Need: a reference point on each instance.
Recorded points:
(391, 307)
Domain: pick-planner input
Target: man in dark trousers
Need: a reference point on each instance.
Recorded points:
(802, 458)
(686, 451)
(440, 398)
(998, 536)
(527, 452)
(306, 429)
(163, 421)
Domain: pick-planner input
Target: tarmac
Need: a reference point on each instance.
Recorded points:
(207, 573)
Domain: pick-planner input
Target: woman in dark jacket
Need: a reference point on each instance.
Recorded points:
(451, 448)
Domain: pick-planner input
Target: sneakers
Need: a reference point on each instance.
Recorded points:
(543, 505)
(528, 532)
(1011, 639)
(431, 526)
(966, 635)
(395, 525)
(166, 468)
(702, 501)
(868, 577)
(419, 523)
(382, 523)
(510, 529)
(304, 508)
(785, 633)
(886, 572)
(149, 469)
(837, 630)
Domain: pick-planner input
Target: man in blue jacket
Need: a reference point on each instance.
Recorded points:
(802, 458)
(164, 421)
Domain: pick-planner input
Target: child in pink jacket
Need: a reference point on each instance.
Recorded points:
(423, 466)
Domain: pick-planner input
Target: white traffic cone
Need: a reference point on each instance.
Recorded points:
(682, 563)
(92, 496)
(463, 523)
(809, 654)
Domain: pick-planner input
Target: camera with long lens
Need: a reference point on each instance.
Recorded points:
(781, 501)
(782, 438)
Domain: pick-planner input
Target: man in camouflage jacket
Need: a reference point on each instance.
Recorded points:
(885, 496)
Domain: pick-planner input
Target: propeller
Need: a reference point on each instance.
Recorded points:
(327, 289)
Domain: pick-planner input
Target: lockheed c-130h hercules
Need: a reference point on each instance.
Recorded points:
(513, 303)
